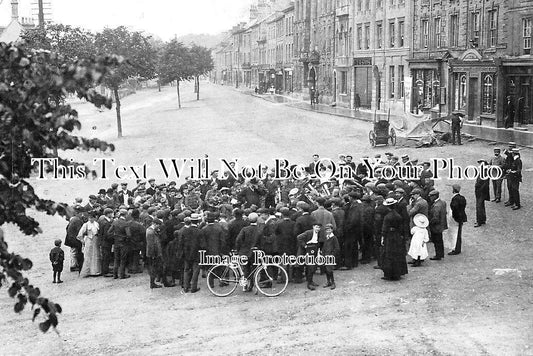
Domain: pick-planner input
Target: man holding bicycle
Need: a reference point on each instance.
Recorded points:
(246, 241)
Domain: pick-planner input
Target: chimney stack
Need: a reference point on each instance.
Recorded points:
(14, 10)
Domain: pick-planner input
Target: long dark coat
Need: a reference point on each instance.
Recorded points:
(393, 264)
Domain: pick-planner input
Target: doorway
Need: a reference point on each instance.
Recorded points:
(473, 99)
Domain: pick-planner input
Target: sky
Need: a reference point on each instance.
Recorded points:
(164, 18)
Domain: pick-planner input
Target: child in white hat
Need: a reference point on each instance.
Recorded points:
(418, 249)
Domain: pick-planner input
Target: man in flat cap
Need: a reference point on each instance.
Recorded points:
(417, 205)
(482, 193)
(154, 252)
(498, 161)
(120, 230)
(308, 240)
(458, 205)
(438, 222)
(151, 189)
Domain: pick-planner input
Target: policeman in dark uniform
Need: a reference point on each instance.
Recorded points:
(514, 178)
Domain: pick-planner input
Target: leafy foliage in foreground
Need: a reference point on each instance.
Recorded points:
(35, 121)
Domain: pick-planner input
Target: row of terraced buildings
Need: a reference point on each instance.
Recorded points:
(397, 56)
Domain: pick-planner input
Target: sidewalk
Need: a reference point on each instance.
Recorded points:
(485, 133)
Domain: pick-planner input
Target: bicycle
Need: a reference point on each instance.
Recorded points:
(266, 278)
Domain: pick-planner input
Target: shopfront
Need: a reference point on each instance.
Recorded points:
(518, 86)
(474, 89)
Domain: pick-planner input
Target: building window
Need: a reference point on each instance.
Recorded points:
(460, 91)
(488, 94)
(401, 91)
(454, 30)
(392, 34)
(423, 91)
(438, 37)
(367, 36)
(493, 23)
(359, 36)
(379, 4)
(359, 5)
(379, 35)
(475, 29)
(344, 82)
(391, 82)
(401, 33)
(526, 33)
(425, 33)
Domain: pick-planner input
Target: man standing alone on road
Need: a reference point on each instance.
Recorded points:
(457, 123)
(437, 223)
(482, 193)
(458, 205)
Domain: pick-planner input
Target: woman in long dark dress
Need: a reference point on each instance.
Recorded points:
(393, 265)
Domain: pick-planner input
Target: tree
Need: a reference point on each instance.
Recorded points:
(140, 60)
(176, 65)
(32, 123)
(71, 42)
(202, 62)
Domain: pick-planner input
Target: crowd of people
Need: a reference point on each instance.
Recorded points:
(163, 226)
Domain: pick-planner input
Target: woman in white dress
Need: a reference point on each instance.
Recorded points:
(91, 248)
(418, 249)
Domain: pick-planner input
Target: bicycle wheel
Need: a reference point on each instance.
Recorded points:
(222, 280)
(271, 280)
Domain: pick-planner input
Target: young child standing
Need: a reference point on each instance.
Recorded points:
(418, 249)
(330, 248)
(56, 257)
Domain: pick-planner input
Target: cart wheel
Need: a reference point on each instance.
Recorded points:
(392, 137)
(372, 138)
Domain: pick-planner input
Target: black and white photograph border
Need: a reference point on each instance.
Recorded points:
(391, 139)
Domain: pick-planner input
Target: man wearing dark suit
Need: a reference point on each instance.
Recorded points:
(509, 158)
(246, 241)
(458, 205)
(214, 238)
(438, 222)
(303, 223)
(190, 242)
(138, 241)
(74, 225)
(152, 188)
(482, 193)
(124, 196)
(417, 205)
(457, 123)
(285, 238)
(338, 215)
(120, 230)
(106, 239)
(234, 227)
(353, 231)
(514, 178)
(308, 241)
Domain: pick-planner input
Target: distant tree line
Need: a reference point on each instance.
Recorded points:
(145, 58)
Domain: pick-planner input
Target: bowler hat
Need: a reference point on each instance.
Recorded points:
(57, 242)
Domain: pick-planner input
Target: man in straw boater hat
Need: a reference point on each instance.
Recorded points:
(393, 263)
(418, 249)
